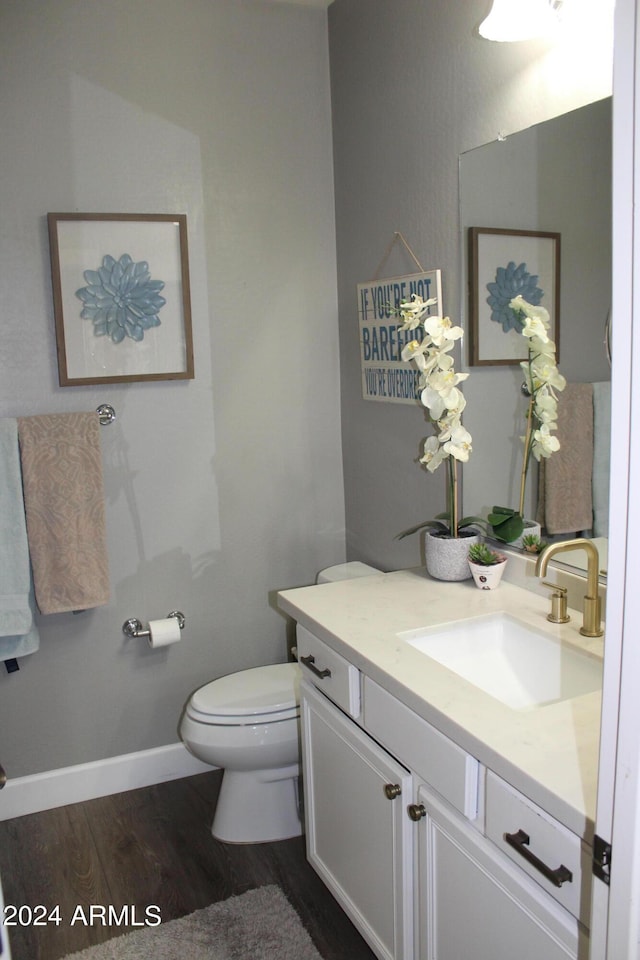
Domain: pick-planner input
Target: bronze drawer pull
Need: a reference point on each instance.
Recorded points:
(519, 841)
(310, 662)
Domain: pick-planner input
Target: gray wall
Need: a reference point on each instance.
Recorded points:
(412, 88)
(226, 488)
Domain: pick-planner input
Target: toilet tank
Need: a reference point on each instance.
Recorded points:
(342, 571)
(346, 571)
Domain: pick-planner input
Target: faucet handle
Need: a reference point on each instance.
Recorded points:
(558, 603)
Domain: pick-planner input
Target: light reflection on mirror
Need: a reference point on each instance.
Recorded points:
(555, 176)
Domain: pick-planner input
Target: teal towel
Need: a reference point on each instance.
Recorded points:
(601, 457)
(15, 612)
(18, 632)
(29, 642)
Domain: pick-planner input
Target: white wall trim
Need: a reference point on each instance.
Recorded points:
(100, 778)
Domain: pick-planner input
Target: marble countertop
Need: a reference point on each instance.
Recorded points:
(549, 752)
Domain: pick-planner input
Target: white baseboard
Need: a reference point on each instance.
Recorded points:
(100, 778)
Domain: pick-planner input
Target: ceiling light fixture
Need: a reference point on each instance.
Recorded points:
(512, 20)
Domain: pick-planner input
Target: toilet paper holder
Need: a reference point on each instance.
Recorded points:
(133, 627)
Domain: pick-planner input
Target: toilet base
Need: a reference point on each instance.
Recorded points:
(258, 806)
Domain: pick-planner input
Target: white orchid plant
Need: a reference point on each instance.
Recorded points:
(439, 393)
(542, 382)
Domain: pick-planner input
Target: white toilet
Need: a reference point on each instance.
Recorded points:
(248, 724)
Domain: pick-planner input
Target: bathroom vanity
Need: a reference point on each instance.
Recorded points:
(449, 809)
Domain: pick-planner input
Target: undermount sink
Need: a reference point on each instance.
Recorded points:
(513, 662)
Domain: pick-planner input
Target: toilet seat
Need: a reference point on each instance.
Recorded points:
(259, 695)
(242, 720)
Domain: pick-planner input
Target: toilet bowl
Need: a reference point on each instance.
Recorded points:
(248, 724)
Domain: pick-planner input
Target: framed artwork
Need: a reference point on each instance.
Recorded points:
(503, 264)
(121, 297)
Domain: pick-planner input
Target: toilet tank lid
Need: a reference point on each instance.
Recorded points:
(346, 571)
(258, 690)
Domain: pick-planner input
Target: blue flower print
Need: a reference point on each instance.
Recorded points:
(121, 299)
(511, 281)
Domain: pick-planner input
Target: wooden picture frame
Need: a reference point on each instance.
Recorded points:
(503, 264)
(121, 297)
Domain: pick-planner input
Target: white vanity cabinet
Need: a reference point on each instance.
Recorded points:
(359, 838)
(475, 904)
(5, 953)
(408, 832)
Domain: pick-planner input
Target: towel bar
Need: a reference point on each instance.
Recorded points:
(133, 627)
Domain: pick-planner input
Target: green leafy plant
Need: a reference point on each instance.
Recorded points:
(484, 556)
(441, 526)
(506, 524)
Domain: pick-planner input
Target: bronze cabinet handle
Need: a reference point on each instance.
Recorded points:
(310, 663)
(520, 841)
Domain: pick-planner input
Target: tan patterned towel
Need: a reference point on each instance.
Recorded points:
(565, 503)
(64, 505)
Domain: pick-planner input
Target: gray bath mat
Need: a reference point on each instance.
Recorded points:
(258, 925)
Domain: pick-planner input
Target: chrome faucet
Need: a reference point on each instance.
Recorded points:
(591, 622)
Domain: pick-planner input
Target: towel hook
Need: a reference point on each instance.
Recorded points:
(106, 414)
(133, 628)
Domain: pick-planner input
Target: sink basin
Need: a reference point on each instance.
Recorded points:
(513, 662)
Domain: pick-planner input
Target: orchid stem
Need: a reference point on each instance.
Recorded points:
(453, 497)
(526, 455)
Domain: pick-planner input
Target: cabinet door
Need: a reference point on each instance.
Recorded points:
(476, 905)
(4, 941)
(358, 834)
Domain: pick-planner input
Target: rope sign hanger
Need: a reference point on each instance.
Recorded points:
(397, 238)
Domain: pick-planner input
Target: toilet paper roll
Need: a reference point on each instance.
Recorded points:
(162, 633)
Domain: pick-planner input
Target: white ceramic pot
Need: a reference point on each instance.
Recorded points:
(447, 557)
(487, 578)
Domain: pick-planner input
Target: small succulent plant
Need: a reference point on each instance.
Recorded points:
(531, 543)
(483, 555)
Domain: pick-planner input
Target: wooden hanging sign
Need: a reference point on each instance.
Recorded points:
(385, 376)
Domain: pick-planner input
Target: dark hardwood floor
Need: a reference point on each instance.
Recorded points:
(151, 846)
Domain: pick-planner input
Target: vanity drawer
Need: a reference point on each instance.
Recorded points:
(440, 762)
(329, 672)
(535, 834)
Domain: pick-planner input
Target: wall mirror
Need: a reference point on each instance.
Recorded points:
(555, 176)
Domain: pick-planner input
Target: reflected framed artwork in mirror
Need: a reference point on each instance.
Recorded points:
(121, 297)
(503, 264)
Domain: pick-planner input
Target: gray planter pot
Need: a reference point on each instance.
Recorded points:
(447, 557)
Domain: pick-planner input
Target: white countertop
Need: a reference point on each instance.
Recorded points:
(550, 752)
